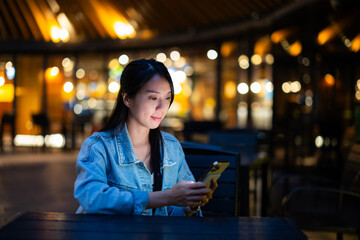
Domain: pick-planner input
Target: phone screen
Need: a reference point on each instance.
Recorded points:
(213, 172)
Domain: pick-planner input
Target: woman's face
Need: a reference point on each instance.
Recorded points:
(150, 104)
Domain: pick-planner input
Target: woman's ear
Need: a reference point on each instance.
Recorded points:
(126, 99)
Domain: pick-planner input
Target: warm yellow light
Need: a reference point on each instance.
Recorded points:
(123, 30)
(114, 63)
(262, 45)
(295, 86)
(51, 74)
(8, 65)
(230, 89)
(269, 59)
(212, 54)
(355, 43)
(210, 103)
(228, 48)
(111, 20)
(175, 55)
(256, 59)
(7, 93)
(279, 35)
(161, 57)
(177, 88)
(295, 49)
(329, 80)
(54, 71)
(325, 35)
(114, 87)
(123, 59)
(243, 61)
(64, 35)
(243, 88)
(68, 87)
(286, 87)
(66, 26)
(55, 33)
(255, 87)
(80, 73)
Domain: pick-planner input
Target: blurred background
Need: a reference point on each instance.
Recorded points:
(286, 70)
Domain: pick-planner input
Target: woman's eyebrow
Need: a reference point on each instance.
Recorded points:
(154, 91)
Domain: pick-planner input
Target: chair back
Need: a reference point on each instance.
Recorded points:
(350, 180)
(226, 197)
(243, 141)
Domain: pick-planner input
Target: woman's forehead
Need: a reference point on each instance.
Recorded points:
(157, 84)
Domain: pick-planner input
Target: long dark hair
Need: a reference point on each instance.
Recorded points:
(135, 75)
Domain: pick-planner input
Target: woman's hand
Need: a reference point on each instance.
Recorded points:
(188, 193)
(208, 196)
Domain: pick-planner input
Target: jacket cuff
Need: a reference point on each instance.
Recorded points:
(141, 201)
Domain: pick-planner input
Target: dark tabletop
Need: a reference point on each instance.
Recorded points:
(52, 225)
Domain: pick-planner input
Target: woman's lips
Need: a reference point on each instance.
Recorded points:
(157, 118)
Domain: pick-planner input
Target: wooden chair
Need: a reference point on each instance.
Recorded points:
(318, 208)
(226, 198)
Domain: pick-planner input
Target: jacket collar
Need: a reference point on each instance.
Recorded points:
(126, 152)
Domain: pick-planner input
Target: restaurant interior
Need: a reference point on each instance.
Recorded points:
(278, 80)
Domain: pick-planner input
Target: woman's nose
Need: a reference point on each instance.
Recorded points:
(161, 105)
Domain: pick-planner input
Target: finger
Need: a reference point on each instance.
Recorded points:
(201, 191)
(204, 202)
(209, 195)
(214, 184)
(197, 198)
(198, 185)
(193, 204)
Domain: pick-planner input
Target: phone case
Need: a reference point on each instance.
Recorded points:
(213, 172)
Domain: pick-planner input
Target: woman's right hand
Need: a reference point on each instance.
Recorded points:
(188, 193)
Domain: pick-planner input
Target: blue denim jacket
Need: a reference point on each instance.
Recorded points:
(111, 180)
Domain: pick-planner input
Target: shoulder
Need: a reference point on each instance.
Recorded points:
(97, 141)
(99, 136)
(169, 137)
(172, 147)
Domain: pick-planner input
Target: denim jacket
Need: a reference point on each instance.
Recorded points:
(111, 180)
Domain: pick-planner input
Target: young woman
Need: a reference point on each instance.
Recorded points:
(130, 167)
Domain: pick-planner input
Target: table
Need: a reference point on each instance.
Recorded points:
(55, 225)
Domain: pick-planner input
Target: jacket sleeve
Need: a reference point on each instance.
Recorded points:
(185, 174)
(91, 188)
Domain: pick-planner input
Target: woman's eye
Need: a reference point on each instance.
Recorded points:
(153, 98)
(168, 98)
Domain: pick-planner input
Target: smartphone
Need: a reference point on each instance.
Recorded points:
(213, 172)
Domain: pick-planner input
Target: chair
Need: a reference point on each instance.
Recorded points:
(226, 198)
(253, 163)
(42, 120)
(198, 131)
(7, 119)
(329, 209)
(243, 141)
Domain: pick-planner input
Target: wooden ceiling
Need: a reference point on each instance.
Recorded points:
(25, 24)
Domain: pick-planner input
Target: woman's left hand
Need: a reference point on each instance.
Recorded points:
(208, 196)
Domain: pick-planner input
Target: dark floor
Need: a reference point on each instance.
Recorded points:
(36, 181)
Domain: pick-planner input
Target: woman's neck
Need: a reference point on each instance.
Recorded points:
(139, 135)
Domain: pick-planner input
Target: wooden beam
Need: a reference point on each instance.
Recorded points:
(4, 34)
(83, 28)
(19, 19)
(90, 14)
(232, 31)
(40, 19)
(9, 21)
(30, 20)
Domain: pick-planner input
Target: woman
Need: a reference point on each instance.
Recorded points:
(130, 167)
